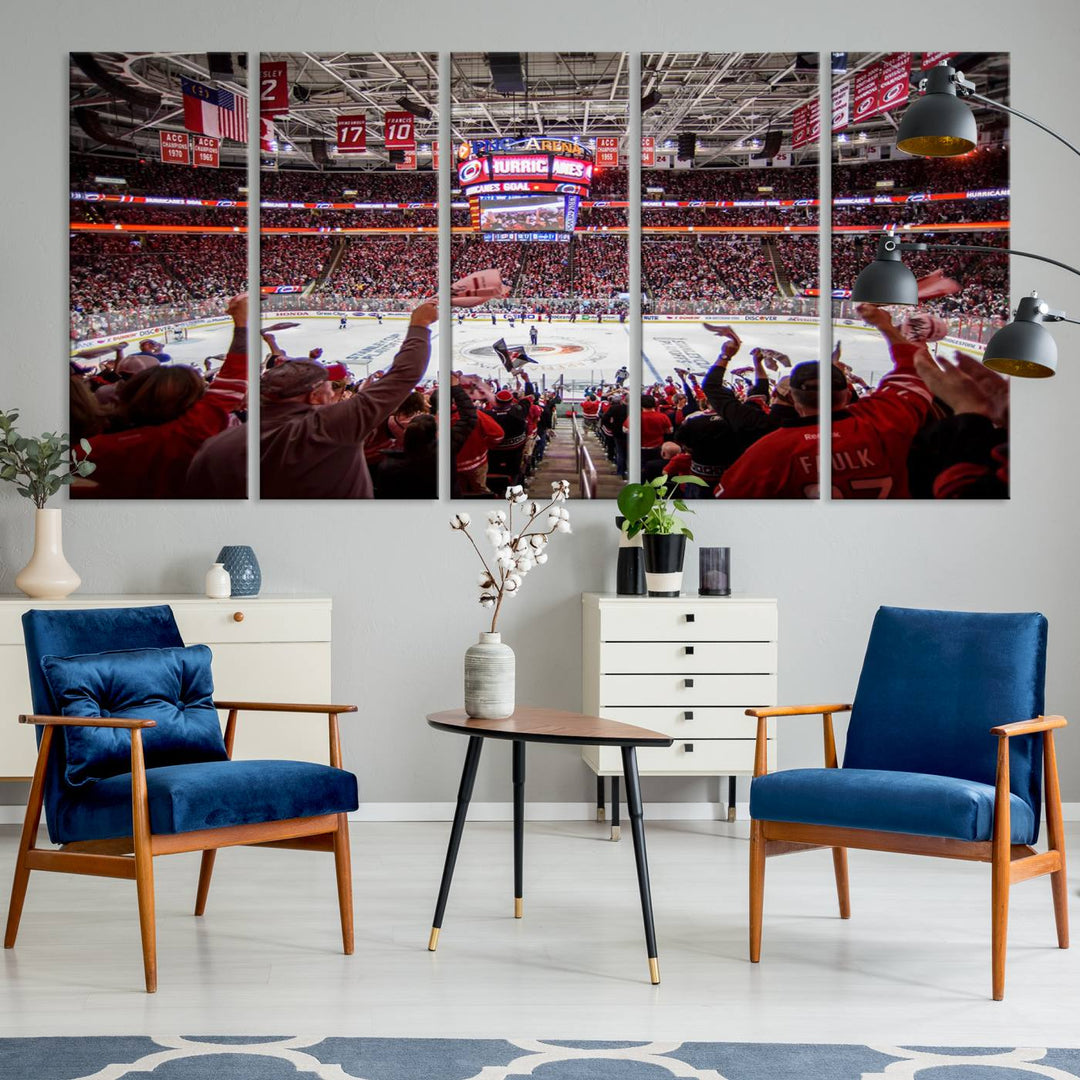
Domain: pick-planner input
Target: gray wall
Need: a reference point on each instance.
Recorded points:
(405, 606)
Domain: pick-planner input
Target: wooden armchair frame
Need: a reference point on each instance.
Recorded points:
(1010, 863)
(132, 857)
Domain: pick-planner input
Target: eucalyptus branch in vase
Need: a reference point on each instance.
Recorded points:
(515, 549)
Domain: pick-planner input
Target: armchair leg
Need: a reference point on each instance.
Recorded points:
(1000, 870)
(144, 861)
(343, 867)
(1055, 829)
(757, 888)
(839, 858)
(206, 870)
(28, 840)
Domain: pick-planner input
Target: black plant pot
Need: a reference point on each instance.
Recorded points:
(664, 555)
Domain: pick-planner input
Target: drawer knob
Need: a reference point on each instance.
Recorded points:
(689, 616)
(689, 650)
(688, 683)
(688, 715)
(238, 616)
(688, 747)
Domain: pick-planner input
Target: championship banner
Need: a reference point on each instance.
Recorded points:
(607, 152)
(409, 162)
(435, 155)
(207, 152)
(841, 106)
(399, 132)
(267, 135)
(274, 88)
(174, 148)
(894, 83)
(932, 59)
(864, 93)
(352, 134)
(806, 124)
(648, 152)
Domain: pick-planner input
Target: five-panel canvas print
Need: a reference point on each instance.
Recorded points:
(718, 204)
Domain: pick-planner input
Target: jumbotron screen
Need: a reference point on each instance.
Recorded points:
(535, 213)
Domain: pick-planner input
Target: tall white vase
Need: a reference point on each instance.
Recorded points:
(48, 575)
(489, 679)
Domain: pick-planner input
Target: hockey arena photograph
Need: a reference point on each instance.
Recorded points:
(548, 551)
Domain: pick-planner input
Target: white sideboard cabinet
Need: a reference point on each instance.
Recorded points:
(266, 648)
(687, 666)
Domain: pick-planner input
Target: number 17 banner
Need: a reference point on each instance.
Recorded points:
(398, 132)
(351, 134)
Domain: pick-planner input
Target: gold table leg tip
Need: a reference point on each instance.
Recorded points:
(519, 907)
(433, 940)
(600, 814)
(654, 971)
(616, 832)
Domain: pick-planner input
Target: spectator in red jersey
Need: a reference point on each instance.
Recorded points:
(655, 428)
(871, 437)
(471, 461)
(162, 416)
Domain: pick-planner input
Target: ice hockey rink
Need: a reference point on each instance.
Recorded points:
(584, 353)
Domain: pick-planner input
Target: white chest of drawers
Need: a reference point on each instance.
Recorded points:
(266, 648)
(686, 666)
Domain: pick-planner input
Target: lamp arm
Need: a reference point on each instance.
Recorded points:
(990, 103)
(1002, 251)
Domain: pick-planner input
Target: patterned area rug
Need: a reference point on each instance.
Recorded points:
(284, 1058)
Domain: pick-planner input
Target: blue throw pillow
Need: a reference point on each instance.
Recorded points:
(172, 686)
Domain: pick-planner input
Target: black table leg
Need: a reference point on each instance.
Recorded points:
(468, 778)
(731, 798)
(600, 800)
(637, 827)
(519, 825)
(615, 800)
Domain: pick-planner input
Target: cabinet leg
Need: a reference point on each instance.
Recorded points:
(468, 778)
(615, 798)
(600, 798)
(731, 798)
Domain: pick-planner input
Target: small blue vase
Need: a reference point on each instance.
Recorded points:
(244, 573)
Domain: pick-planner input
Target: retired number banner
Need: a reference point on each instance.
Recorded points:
(398, 131)
(648, 151)
(607, 152)
(274, 88)
(175, 148)
(409, 162)
(207, 152)
(351, 134)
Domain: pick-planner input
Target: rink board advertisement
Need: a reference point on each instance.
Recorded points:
(158, 359)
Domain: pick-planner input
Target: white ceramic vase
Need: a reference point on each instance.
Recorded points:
(218, 582)
(48, 575)
(489, 678)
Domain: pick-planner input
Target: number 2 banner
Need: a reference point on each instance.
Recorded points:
(351, 134)
(274, 88)
(398, 132)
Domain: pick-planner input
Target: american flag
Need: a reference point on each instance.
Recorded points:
(217, 113)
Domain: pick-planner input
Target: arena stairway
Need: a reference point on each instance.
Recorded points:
(783, 280)
(558, 464)
(337, 253)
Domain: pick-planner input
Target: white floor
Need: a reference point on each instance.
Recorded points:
(912, 966)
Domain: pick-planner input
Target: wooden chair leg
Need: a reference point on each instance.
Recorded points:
(839, 858)
(1055, 829)
(343, 867)
(28, 840)
(144, 862)
(757, 888)
(206, 871)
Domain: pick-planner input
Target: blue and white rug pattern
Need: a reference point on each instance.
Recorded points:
(290, 1058)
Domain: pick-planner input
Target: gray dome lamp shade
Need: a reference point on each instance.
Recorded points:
(886, 280)
(1024, 348)
(938, 124)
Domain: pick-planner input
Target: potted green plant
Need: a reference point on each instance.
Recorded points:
(39, 467)
(653, 510)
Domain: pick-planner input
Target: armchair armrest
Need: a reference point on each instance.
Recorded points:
(88, 721)
(797, 710)
(279, 706)
(763, 716)
(1029, 727)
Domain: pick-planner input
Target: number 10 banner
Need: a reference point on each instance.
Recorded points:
(398, 132)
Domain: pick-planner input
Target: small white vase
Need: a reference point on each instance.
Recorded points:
(218, 582)
(48, 575)
(489, 679)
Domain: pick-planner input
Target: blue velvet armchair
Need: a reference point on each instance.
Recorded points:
(947, 752)
(132, 763)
